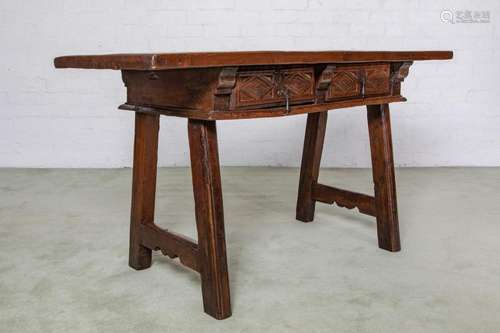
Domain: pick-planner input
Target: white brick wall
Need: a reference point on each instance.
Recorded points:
(68, 118)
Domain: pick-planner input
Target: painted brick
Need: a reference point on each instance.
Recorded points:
(68, 118)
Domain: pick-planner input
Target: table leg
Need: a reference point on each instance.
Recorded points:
(143, 186)
(309, 170)
(379, 126)
(209, 217)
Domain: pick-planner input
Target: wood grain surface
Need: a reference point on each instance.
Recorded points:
(160, 61)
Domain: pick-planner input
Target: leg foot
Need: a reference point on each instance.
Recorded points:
(143, 186)
(309, 170)
(379, 126)
(209, 218)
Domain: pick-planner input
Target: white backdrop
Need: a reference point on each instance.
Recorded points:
(68, 118)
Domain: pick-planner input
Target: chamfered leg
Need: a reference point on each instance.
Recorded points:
(379, 126)
(143, 186)
(209, 217)
(309, 170)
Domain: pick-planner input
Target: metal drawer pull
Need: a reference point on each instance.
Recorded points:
(363, 83)
(283, 91)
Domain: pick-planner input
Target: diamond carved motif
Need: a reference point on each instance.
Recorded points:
(377, 80)
(255, 88)
(263, 88)
(345, 83)
(299, 84)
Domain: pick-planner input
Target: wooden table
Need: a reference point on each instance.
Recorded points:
(206, 87)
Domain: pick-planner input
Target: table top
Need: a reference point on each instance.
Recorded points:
(164, 61)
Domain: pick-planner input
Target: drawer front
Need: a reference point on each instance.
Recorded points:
(377, 79)
(265, 87)
(346, 82)
(359, 81)
(299, 82)
(256, 87)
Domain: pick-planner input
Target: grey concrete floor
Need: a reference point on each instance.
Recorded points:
(64, 247)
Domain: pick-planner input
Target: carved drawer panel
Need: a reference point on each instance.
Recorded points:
(299, 83)
(346, 82)
(269, 87)
(359, 81)
(377, 79)
(255, 87)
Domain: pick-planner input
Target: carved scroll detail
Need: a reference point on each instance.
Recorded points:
(124, 78)
(222, 94)
(323, 84)
(399, 71)
(344, 198)
(171, 244)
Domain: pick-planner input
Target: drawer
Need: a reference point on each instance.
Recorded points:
(359, 81)
(377, 79)
(263, 88)
(346, 82)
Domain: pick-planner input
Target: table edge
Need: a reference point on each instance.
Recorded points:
(166, 61)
